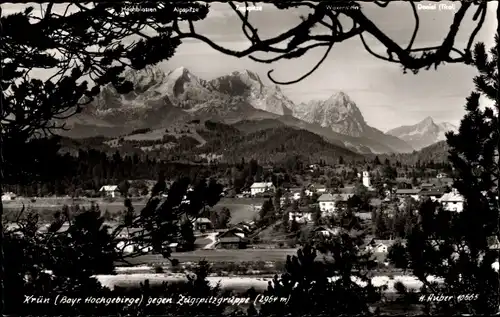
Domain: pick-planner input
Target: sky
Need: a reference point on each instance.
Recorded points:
(386, 97)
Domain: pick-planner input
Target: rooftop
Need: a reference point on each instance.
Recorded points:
(334, 197)
(261, 184)
(432, 192)
(411, 191)
(452, 197)
(108, 188)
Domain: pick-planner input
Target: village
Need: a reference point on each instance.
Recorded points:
(245, 236)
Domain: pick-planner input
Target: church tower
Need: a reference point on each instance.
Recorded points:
(366, 179)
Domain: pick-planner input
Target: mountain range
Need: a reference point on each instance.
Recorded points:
(424, 133)
(163, 100)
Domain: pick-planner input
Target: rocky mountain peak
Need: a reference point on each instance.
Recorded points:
(179, 80)
(145, 78)
(338, 112)
(341, 97)
(179, 72)
(247, 74)
(248, 85)
(424, 133)
(343, 103)
(427, 121)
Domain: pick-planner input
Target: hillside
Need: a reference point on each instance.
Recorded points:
(250, 126)
(437, 153)
(275, 145)
(198, 141)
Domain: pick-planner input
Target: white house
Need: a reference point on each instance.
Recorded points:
(123, 247)
(452, 201)
(261, 188)
(256, 207)
(379, 246)
(296, 196)
(313, 167)
(318, 189)
(328, 202)
(326, 232)
(301, 217)
(202, 224)
(110, 190)
(8, 196)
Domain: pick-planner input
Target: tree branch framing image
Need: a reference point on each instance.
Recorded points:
(287, 158)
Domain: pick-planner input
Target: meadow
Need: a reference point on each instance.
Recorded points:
(242, 209)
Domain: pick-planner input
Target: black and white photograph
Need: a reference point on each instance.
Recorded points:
(283, 158)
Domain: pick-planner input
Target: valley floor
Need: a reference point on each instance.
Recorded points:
(219, 255)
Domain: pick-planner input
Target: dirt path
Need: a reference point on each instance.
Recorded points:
(213, 237)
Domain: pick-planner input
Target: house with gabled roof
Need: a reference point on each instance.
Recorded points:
(110, 190)
(232, 239)
(452, 201)
(328, 203)
(324, 231)
(381, 246)
(261, 187)
(433, 193)
(413, 193)
(315, 189)
(202, 224)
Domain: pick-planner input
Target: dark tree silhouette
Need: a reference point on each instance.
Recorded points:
(267, 213)
(456, 246)
(307, 282)
(91, 43)
(123, 187)
(85, 244)
(76, 247)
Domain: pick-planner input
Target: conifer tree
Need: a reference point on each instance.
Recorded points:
(329, 286)
(455, 247)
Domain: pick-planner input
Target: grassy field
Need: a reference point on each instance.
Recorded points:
(244, 255)
(241, 209)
